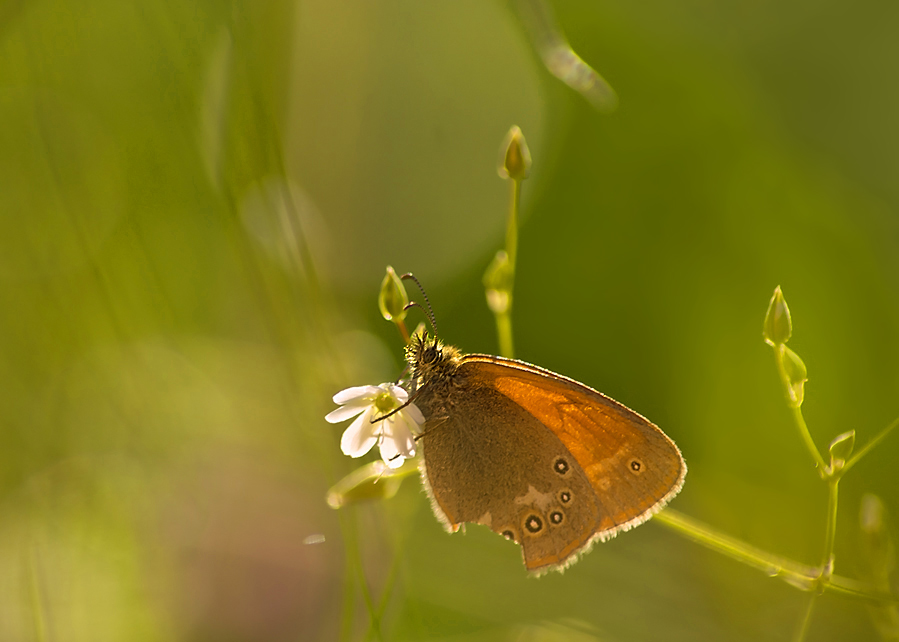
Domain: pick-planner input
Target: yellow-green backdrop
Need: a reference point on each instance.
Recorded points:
(197, 204)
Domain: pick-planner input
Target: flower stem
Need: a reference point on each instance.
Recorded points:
(870, 445)
(827, 562)
(500, 276)
(504, 331)
(354, 561)
(37, 597)
(807, 438)
(404, 331)
(773, 565)
(512, 223)
(504, 318)
(802, 629)
(797, 412)
(801, 576)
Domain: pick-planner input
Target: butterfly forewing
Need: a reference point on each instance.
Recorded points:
(632, 466)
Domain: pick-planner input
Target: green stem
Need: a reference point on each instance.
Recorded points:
(37, 598)
(801, 576)
(388, 586)
(354, 562)
(512, 224)
(504, 319)
(797, 412)
(831, 528)
(802, 629)
(506, 284)
(772, 565)
(504, 330)
(349, 594)
(807, 438)
(404, 331)
(870, 445)
(861, 591)
(374, 617)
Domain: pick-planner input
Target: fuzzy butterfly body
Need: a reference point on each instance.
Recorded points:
(539, 458)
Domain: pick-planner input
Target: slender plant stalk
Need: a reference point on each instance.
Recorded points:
(512, 223)
(772, 565)
(504, 317)
(37, 597)
(801, 576)
(500, 276)
(388, 586)
(404, 331)
(349, 592)
(806, 436)
(802, 629)
(374, 618)
(504, 331)
(870, 445)
(827, 563)
(354, 563)
(797, 413)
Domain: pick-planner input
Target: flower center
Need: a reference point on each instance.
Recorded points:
(385, 402)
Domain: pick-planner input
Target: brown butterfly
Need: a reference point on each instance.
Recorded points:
(541, 459)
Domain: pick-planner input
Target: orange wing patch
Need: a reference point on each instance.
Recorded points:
(588, 432)
(603, 437)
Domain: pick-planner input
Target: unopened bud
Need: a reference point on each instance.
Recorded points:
(778, 326)
(840, 449)
(392, 299)
(516, 161)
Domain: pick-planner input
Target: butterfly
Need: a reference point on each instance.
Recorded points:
(539, 458)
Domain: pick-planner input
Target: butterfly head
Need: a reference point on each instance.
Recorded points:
(430, 359)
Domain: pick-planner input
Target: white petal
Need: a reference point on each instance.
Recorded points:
(396, 442)
(404, 438)
(359, 438)
(356, 393)
(396, 462)
(389, 454)
(345, 412)
(415, 414)
(398, 393)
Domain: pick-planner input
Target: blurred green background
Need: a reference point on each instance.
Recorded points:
(197, 204)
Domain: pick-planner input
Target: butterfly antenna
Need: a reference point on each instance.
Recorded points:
(429, 311)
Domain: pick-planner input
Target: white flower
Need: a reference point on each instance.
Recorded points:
(394, 434)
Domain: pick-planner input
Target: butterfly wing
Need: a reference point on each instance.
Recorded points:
(633, 468)
(488, 460)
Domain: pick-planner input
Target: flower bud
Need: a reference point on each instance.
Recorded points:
(392, 299)
(516, 161)
(840, 449)
(778, 326)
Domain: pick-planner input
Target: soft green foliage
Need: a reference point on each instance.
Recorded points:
(197, 203)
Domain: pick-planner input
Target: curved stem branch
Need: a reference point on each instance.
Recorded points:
(801, 576)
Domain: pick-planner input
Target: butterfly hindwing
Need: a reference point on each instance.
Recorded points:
(488, 461)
